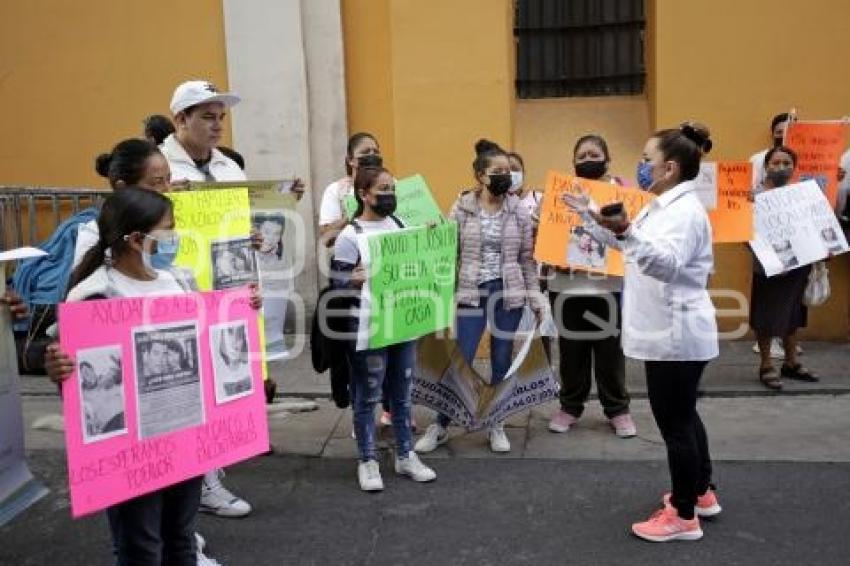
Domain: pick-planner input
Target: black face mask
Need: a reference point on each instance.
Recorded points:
(777, 142)
(591, 169)
(779, 177)
(370, 160)
(499, 184)
(385, 204)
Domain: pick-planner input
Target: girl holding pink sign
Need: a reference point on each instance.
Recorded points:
(133, 257)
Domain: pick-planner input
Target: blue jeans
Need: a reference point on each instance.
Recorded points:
(471, 322)
(369, 370)
(157, 528)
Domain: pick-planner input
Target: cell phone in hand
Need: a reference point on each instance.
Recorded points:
(613, 209)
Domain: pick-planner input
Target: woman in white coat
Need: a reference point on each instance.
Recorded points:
(668, 317)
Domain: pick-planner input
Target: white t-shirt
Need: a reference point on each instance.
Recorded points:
(332, 208)
(531, 202)
(345, 248)
(87, 236)
(757, 159)
(164, 284)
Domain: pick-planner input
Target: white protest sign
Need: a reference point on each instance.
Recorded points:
(795, 226)
(706, 184)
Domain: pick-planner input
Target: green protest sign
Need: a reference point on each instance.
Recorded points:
(416, 205)
(411, 284)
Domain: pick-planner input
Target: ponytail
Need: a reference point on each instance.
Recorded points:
(124, 212)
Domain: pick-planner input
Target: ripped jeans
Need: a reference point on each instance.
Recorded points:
(369, 369)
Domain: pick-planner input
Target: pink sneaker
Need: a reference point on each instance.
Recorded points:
(707, 505)
(624, 426)
(665, 525)
(561, 422)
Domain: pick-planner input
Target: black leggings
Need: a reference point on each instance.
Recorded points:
(672, 389)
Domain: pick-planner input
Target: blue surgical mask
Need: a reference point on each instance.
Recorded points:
(644, 175)
(166, 251)
(516, 181)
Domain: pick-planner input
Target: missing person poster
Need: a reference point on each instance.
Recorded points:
(563, 241)
(166, 390)
(795, 226)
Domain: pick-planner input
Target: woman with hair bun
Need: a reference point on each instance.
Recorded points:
(497, 276)
(668, 317)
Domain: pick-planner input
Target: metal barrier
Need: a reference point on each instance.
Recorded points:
(22, 207)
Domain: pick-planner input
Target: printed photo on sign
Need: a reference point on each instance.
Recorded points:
(830, 238)
(231, 361)
(101, 384)
(270, 226)
(785, 252)
(584, 250)
(233, 263)
(168, 378)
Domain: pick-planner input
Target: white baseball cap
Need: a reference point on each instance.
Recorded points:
(191, 93)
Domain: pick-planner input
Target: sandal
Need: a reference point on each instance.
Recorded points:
(799, 373)
(770, 379)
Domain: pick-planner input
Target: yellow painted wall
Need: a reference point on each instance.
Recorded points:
(729, 64)
(546, 131)
(76, 77)
(449, 82)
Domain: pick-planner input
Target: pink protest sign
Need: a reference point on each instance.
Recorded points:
(165, 389)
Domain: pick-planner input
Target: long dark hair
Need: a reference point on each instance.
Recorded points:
(126, 211)
(596, 140)
(353, 142)
(126, 161)
(685, 145)
(364, 180)
(780, 149)
(485, 151)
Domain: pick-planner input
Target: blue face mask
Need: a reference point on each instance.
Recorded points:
(644, 175)
(166, 251)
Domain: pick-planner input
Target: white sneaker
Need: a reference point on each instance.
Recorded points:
(413, 467)
(499, 440)
(217, 500)
(433, 437)
(204, 560)
(200, 542)
(369, 476)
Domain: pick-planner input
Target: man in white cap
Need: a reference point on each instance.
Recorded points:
(199, 111)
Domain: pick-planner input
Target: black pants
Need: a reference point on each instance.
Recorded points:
(157, 528)
(672, 389)
(583, 349)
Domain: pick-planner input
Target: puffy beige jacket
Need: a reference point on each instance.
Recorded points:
(519, 272)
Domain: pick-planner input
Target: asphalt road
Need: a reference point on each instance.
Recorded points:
(308, 511)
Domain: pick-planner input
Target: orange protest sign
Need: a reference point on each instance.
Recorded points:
(732, 219)
(561, 237)
(818, 146)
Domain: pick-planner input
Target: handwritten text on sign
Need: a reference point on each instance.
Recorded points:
(818, 146)
(410, 290)
(732, 218)
(155, 364)
(562, 242)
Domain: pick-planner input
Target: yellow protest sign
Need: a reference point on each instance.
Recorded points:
(214, 228)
